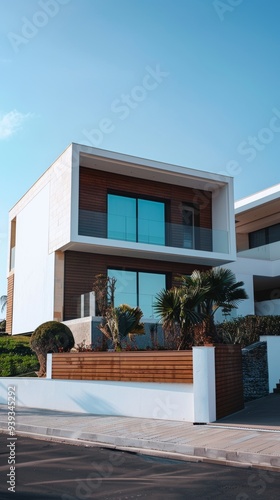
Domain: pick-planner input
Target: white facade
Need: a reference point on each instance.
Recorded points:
(258, 267)
(33, 289)
(46, 225)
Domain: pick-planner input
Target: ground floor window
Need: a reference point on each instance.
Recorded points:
(137, 288)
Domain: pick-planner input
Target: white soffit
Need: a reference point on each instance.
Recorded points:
(151, 170)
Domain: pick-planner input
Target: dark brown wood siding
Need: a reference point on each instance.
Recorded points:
(229, 385)
(168, 367)
(95, 185)
(10, 301)
(81, 269)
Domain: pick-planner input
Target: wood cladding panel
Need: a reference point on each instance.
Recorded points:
(95, 184)
(168, 367)
(81, 269)
(229, 384)
(10, 301)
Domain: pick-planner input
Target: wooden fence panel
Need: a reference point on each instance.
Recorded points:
(167, 366)
(229, 384)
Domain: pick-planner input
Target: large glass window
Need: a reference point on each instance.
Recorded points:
(137, 289)
(264, 236)
(121, 218)
(136, 219)
(188, 226)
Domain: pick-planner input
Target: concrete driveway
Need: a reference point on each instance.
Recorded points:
(263, 412)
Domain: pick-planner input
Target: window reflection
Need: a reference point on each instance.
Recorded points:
(133, 219)
(137, 289)
(121, 218)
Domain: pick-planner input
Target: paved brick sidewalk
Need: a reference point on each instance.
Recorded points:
(225, 442)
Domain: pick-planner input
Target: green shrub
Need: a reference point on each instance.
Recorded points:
(16, 364)
(51, 336)
(247, 330)
(17, 358)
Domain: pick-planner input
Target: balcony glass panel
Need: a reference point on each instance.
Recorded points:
(151, 226)
(94, 224)
(264, 252)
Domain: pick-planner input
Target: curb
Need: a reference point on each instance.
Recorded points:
(153, 448)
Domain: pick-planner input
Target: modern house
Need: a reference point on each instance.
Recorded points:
(97, 212)
(258, 251)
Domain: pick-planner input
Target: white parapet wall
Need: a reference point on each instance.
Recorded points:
(273, 359)
(131, 399)
(159, 400)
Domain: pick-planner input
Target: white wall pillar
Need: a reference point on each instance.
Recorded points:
(49, 366)
(273, 356)
(204, 384)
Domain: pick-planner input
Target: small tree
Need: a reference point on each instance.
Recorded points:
(121, 321)
(104, 288)
(51, 336)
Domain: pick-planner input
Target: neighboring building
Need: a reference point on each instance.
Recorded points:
(95, 211)
(258, 251)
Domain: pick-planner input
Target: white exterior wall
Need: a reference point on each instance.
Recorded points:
(60, 197)
(131, 399)
(245, 269)
(34, 266)
(223, 219)
(273, 357)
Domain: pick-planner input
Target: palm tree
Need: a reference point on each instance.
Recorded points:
(179, 311)
(222, 291)
(3, 302)
(194, 302)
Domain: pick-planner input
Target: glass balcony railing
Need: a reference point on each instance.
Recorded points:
(94, 224)
(264, 252)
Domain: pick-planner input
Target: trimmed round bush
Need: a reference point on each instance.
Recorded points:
(51, 336)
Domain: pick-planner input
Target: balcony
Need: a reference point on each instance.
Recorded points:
(95, 225)
(265, 252)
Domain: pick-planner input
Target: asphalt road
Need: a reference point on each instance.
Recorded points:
(51, 470)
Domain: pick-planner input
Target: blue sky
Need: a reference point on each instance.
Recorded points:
(190, 82)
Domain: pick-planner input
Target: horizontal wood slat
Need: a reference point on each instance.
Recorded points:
(168, 367)
(229, 384)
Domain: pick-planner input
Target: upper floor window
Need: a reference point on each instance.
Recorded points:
(264, 236)
(136, 219)
(188, 226)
